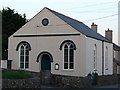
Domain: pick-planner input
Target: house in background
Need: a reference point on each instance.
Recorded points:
(116, 52)
(116, 49)
(116, 59)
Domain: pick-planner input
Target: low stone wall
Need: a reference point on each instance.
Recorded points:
(83, 82)
(61, 81)
(70, 81)
(21, 83)
(108, 80)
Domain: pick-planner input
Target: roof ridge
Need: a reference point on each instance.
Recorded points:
(63, 14)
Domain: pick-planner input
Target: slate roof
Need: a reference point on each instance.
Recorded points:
(116, 61)
(81, 27)
(116, 47)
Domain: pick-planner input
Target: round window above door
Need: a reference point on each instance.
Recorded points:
(45, 22)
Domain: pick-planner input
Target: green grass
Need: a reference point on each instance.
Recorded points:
(20, 74)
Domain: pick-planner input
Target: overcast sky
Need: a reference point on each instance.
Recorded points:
(103, 12)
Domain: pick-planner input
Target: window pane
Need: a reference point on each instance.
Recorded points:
(71, 58)
(65, 58)
(26, 58)
(22, 48)
(71, 52)
(71, 65)
(26, 47)
(65, 65)
(65, 51)
(21, 58)
(26, 65)
(71, 46)
(21, 65)
(66, 46)
(22, 52)
(27, 52)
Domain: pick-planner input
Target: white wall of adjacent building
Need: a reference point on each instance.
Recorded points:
(4, 64)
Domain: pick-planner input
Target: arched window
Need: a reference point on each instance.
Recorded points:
(106, 58)
(68, 56)
(24, 56)
(95, 57)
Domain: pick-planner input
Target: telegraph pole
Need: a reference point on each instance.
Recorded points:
(119, 23)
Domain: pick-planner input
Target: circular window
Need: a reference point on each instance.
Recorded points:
(45, 22)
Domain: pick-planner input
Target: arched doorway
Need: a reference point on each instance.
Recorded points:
(45, 59)
(45, 62)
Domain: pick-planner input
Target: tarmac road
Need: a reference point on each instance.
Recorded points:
(110, 87)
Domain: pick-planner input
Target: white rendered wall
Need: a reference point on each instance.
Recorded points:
(90, 56)
(110, 58)
(90, 42)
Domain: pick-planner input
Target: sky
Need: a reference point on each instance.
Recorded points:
(104, 13)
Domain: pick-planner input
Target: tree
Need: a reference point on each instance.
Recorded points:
(11, 22)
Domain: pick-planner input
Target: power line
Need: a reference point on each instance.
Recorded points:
(91, 5)
(101, 18)
(80, 11)
(79, 21)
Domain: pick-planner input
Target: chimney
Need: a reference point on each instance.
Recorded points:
(94, 27)
(108, 34)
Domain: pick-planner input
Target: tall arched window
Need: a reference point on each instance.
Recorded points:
(95, 57)
(24, 56)
(68, 56)
(106, 58)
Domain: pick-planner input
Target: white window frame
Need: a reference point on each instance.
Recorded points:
(106, 58)
(114, 54)
(24, 45)
(68, 56)
(118, 67)
(95, 58)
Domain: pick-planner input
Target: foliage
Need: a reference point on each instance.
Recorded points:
(11, 22)
(20, 74)
(4, 45)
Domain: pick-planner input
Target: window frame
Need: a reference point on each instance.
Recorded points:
(68, 55)
(24, 56)
(106, 58)
(95, 57)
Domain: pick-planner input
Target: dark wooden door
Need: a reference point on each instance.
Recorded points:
(45, 63)
(45, 70)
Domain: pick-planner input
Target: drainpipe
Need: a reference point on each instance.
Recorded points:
(102, 57)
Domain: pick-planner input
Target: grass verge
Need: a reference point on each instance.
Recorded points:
(20, 74)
